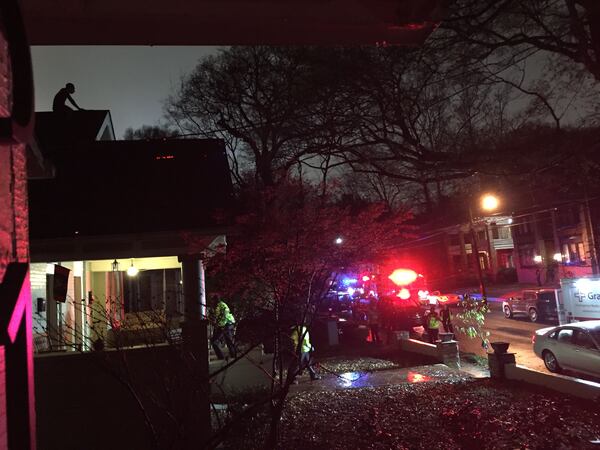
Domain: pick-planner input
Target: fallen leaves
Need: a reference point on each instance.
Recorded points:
(480, 414)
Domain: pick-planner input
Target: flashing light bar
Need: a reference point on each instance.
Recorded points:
(403, 277)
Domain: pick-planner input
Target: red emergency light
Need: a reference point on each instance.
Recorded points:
(403, 277)
(404, 294)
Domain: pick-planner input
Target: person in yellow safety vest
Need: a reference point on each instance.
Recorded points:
(447, 319)
(303, 347)
(433, 322)
(223, 327)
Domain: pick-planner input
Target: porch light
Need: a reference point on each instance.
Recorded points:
(557, 257)
(339, 240)
(115, 266)
(537, 258)
(132, 271)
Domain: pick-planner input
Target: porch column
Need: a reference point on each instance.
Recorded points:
(194, 330)
(194, 292)
(51, 314)
(79, 305)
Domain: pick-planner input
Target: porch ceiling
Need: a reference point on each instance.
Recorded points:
(126, 246)
(230, 22)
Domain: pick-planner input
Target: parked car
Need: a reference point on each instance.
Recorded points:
(437, 298)
(535, 303)
(575, 346)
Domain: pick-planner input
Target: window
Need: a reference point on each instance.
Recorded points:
(565, 335)
(548, 296)
(495, 234)
(153, 290)
(574, 252)
(553, 335)
(596, 333)
(504, 233)
(583, 339)
(529, 297)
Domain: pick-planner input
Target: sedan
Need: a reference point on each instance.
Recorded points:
(439, 299)
(575, 346)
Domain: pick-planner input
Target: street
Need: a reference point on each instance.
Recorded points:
(517, 331)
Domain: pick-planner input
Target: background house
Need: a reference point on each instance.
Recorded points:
(556, 242)
(446, 254)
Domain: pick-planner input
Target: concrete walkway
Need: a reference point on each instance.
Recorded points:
(356, 380)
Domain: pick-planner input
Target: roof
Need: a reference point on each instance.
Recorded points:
(54, 130)
(129, 187)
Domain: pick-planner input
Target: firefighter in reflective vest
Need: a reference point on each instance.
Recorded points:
(303, 347)
(224, 328)
(433, 323)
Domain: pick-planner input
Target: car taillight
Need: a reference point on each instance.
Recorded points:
(533, 339)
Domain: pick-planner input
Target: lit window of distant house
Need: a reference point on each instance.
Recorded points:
(574, 252)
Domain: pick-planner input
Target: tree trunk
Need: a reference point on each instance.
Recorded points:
(427, 195)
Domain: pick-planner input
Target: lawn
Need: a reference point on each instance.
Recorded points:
(478, 414)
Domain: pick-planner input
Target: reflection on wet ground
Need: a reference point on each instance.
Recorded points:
(362, 379)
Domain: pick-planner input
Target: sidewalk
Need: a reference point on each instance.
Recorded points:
(362, 379)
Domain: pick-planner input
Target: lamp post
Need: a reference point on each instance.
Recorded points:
(489, 202)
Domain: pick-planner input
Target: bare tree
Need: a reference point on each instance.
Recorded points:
(269, 104)
(149, 132)
(569, 28)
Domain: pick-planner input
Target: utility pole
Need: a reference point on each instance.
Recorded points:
(475, 251)
(591, 235)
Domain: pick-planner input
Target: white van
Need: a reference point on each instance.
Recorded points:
(579, 299)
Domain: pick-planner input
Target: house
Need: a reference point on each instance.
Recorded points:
(494, 245)
(446, 254)
(119, 220)
(557, 241)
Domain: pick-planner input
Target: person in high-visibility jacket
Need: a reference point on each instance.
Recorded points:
(223, 327)
(433, 322)
(303, 347)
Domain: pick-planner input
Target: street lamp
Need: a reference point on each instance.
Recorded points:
(489, 202)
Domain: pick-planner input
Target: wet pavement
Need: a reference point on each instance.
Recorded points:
(364, 379)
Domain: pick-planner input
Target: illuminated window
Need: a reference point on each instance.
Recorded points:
(154, 290)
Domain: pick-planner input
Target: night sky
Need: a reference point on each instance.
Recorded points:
(132, 82)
